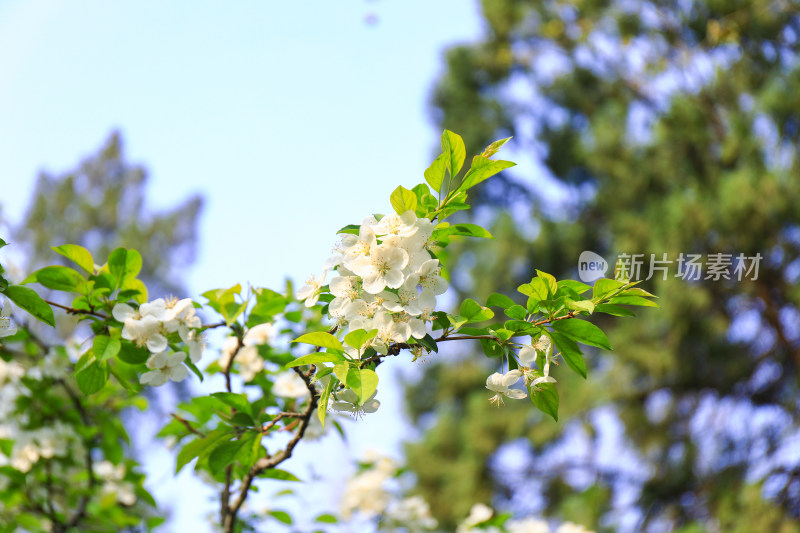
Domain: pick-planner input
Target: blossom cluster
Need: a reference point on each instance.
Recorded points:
(387, 279)
(249, 361)
(501, 384)
(150, 326)
(31, 445)
(481, 513)
(369, 493)
(113, 479)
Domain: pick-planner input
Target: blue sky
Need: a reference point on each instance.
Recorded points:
(291, 119)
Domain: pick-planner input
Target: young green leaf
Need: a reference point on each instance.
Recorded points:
(605, 286)
(356, 339)
(550, 282)
(481, 170)
(316, 358)
(453, 148)
(77, 254)
(124, 264)
(434, 174)
(403, 200)
(322, 405)
(321, 338)
(363, 382)
(581, 305)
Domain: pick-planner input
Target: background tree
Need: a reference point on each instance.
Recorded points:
(676, 126)
(101, 205)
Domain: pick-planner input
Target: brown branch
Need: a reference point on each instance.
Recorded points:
(74, 311)
(80, 513)
(265, 463)
(278, 418)
(188, 425)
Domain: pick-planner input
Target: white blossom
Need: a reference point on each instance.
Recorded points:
(382, 268)
(311, 291)
(500, 384)
(164, 366)
(289, 385)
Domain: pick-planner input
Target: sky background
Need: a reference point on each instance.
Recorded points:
(291, 119)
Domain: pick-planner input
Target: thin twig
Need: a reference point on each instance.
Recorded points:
(74, 311)
(188, 425)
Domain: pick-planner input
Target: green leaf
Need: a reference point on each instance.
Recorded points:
(225, 454)
(570, 352)
(516, 312)
(132, 354)
(92, 378)
(28, 300)
(223, 301)
(280, 475)
(434, 174)
(493, 148)
(237, 401)
(193, 367)
(537, 288)
(124, 264)
(327, 519)
(550, 283)
(105, 347)
(492, 348)
(581, 305)
(454, 151)
(605, 286)
(363, 382)
(59, 278)
(546, 399)
(316, 358)
(583, 332)
(636, 291)
(469, 307)
(78, 254)
(340, 371)
(499, 300)
(482, 169)
(403, 200)
(428, 342)
(632, 300)
(198, 446)
(352, 229)
(615, 310)
(356, 339)
(472, 311)
(322, 405)
(129, 285)
(281, 516)
(469, 230)
(576, 286)
(321, 338)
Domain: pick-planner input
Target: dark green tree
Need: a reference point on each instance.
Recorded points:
(102, 205)
(676, 126)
